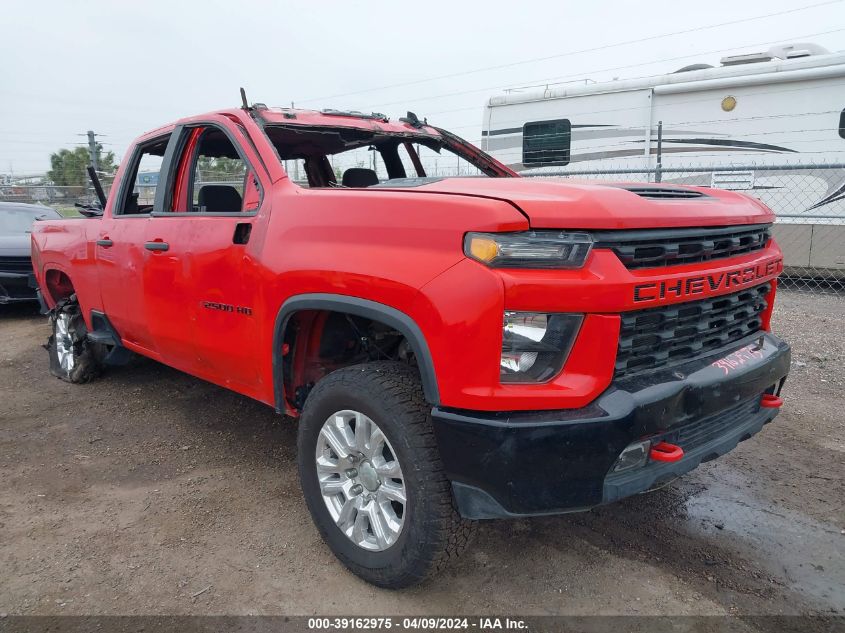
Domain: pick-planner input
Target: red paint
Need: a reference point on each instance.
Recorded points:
(398, 247)
(770, 401)
(592, 205)
(666, 452)
(766, 315)
(183, 173)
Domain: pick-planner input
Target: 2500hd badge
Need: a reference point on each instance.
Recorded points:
(225, 307)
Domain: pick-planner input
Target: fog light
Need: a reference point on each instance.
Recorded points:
(634, 456)
(518, 361)
(535, 345)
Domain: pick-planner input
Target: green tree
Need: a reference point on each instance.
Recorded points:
(68, 167)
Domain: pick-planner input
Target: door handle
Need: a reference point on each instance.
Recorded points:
(242, 232)
(105, 243)
(156, 246)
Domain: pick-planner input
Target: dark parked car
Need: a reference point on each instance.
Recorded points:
(16, 280)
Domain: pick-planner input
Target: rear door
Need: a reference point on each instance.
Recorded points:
(120, 252)
(201, 276)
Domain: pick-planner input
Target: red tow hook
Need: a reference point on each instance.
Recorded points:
(770, 401)
(666, 452)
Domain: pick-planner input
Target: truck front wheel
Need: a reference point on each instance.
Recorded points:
(372, 476)
(72, 356)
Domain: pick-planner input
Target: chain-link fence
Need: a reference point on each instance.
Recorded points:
(808, 199)
(62, 198)
(66, 198)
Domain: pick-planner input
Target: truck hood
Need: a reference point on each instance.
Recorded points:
(574, 204)
(15, 245)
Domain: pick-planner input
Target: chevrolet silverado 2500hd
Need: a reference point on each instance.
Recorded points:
(454, 348)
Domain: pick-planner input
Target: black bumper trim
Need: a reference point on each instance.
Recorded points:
(505, 464)
(105, 334)
(16, 287)
(44, 308)
(620, 485)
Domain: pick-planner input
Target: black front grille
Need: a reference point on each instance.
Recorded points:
(673, 334)
(15, 265)
(704, 430)
(672, 247)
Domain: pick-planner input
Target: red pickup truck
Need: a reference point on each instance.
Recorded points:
(454, 348)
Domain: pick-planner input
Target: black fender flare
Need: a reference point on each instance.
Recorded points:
(359, 307)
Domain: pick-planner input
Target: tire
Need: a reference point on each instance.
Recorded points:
(432, 532)
(73, 357)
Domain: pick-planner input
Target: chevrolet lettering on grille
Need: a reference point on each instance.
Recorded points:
(706, 284)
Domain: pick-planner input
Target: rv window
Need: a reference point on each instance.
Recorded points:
(546, 143)
(842, 124)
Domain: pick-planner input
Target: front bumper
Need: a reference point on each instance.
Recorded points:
(510, 464)
(15, 287)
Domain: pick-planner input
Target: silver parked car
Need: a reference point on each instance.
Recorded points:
(16, 219)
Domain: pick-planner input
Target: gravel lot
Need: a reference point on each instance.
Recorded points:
(149, 491)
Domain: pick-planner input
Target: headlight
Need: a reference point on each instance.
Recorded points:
(535, 345)
(529, 249)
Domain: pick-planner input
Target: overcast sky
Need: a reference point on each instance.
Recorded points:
(121, 68)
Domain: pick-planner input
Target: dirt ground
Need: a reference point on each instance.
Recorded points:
(152, 492)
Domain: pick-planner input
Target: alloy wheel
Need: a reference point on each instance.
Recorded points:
(64, 342)
(361, 480)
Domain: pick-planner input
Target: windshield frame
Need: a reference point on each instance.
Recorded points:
(373, 131)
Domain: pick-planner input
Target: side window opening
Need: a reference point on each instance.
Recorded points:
(356, 167)
(546, 143)
(213, 176)
(222, 181)
(842, 124)
(138, 199)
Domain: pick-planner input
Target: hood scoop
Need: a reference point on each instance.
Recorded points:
(665, 193)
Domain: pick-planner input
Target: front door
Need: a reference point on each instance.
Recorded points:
(200, 277)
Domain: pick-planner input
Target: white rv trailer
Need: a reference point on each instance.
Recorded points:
(753, 124)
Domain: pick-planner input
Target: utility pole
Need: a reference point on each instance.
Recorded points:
(92, 150)
(93, 155)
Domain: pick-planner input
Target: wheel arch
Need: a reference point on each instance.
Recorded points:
(356, 306)
(58, 284)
